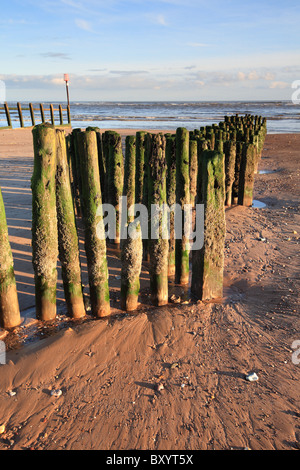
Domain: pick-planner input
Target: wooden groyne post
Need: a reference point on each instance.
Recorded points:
(95, 243)
(67, 233)
(9, 305)
(171, 197)
(182, 247)
(115, 177)
(159, 246)
(44, 221)
(208, 262)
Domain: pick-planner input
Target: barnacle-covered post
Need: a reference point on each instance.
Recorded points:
(230, 156)
(140, 164)
(115, 177)
(158, 246)
(9, 305)
(67, 233)
(95, 244)
(171, 196)
(44, 221)
(182, 247)
(193, 168)
(208, 261)
(247, 171)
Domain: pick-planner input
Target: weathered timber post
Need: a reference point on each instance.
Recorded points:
(9, 305)
(61, 119)
(7, 113)
(131, 261)
(146, 199)
(246, 180)
(77, 161)
(129, 174)
(95, 244)
(131, 245)
(182, 248)
(73, 172)
(193, 164)
(101, 160)
(210, 137)
(31, 114)
(237, 168)
(20, 114)
(105, 147)
(208, 262)
(219, 145)
(171, 196)
(69, 148)
(140, 162)
(115, 178)
(52, 114)
(230, 155)
(69, 114)
(44, 221)
(67, 233)
(202, 145)
(159, 246)
(42, 112)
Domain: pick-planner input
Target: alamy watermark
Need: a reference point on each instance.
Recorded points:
(153, 224)
(2, 92)
(296, 93)
(2, 353)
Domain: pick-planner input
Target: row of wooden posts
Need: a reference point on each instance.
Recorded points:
(64, 114)
(74, 174)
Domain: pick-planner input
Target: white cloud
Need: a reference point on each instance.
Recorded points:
(83, 24)
(161, 20)
(279, 84)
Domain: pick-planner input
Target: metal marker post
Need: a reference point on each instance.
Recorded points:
(66, 79)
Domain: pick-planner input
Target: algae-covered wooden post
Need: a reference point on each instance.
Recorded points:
(95, 244)
(171, 196)
(158, 243)
(202, 145)
(131, 245)
(230, 155)
(146, 200)
(140, 162)
(208, 262)
(246, 180)
(78, 152)
(131, 264)
(101, 160)
(237, 168)
(44, 221)
(9, 304)
(193, 168)
(182, 247)
(67, 233)
(115, 178)
(129, 174)
(74, 170)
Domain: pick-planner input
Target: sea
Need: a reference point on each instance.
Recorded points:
(282, 116)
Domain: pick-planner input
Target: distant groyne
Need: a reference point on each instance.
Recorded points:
(34, 114)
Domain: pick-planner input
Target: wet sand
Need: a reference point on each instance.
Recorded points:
(108, 370)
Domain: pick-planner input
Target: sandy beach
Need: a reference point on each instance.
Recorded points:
(108, 370)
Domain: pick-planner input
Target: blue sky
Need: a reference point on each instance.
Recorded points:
(150, 50)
